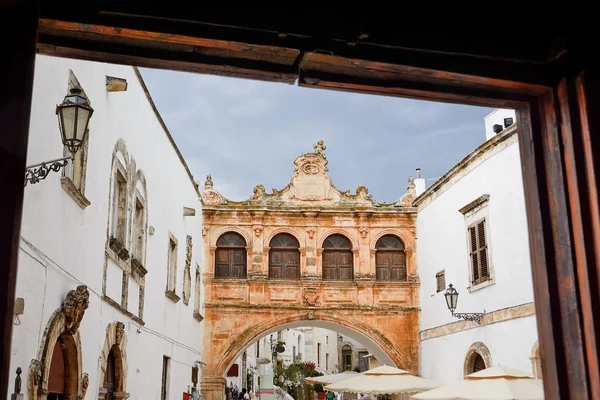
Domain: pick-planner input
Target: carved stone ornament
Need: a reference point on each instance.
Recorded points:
(320, 148)
(85, 383)
(257, 229)
(259, 192)
(208, 183)
(310, 315)
(364, 230)
(119, 333)
(310, 230)
(74, 306)
(204, 230)
(36, 371)
(311, 297)
(212, 197)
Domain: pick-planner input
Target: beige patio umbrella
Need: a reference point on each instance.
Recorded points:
(383, 380)
(495, 383)
(328, 379)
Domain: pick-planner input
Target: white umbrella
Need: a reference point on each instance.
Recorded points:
(328, 379)
(495, 383)
(383, 380)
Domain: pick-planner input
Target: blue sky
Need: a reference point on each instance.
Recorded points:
(246, 132)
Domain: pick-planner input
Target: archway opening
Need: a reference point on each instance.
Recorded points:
(62, 377)
(110, 376)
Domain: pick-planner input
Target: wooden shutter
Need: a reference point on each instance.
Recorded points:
(484, 272)
(329, 265)
(440, 278)
(474, 258)
(238, 263)
(291, 260)
(382, 262)
(344, 265)
(397, 266)
(276, 264)
(223, 263)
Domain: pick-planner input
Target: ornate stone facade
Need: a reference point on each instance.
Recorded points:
(308, 211)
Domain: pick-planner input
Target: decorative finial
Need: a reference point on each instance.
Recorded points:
(208, 184)
(320, 148)
(18, 381)
(418, 173)
(411, 183)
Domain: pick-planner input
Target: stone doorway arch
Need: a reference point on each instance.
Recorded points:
(113, 361)
(478, 357)
(62, 331)
(225, 340)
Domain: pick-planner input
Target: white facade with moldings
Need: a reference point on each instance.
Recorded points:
(485, 190)
(66, 234)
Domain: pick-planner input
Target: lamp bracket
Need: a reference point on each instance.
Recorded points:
(37, 172)
(476, 317)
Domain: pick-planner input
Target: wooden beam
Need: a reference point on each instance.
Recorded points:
(18, 31)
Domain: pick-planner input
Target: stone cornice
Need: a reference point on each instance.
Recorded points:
(474, 204)
(492, 317)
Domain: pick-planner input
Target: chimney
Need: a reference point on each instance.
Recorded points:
(419, 183)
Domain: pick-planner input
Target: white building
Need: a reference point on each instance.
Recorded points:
(472, 233)
(253, 369)
(109, 266)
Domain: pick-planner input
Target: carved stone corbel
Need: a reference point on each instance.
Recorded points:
(74, 306)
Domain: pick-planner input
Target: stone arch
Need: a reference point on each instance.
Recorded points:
(390, 231)
(235, 346)
(121, 147)
(116, 341)
(63, 328)
(536, 360)
(271, 234)
(476, 349)
(217, 233)
(347, 233)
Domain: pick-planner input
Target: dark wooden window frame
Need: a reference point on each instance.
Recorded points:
(379, 250)
(338, 252)
(284, 250)
(231, 250)
(555, 98)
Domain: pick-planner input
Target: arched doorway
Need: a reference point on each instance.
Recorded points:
(284, 257)
(109, 376)
(62, 377)
(390, 260)
(346, 357)
(230, 257)
(338, 260)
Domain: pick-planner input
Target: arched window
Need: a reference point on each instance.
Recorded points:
(347, 358)
(230, 257)
(390, 260)
(338, 260)
(284, 257)
(478, 358)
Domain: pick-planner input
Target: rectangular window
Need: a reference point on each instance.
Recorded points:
(197, 293)
(440, 278)
(172, 265)
(293, 354)
(164, 392)
(327, 361)
(119, 221)
(319, 354)
(138, 233)
(326, 339)
(478, 252)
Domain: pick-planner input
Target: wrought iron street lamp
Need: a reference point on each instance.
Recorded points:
(74, 115)
(452, 301)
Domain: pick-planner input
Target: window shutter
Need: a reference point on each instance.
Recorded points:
(482, 250)
(474, 259)
(441, 280)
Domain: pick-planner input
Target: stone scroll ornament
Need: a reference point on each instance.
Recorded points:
(74, 306)
(119, 333)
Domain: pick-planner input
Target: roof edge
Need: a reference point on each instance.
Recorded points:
(167, 132)
(465, 162)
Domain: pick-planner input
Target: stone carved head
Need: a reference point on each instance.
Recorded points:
(74, 306)
(119, 333)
